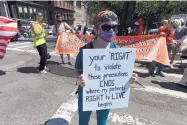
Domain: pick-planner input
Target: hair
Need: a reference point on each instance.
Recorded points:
(105, 16)
(36, 13)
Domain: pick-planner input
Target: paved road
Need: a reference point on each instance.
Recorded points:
(29, 98)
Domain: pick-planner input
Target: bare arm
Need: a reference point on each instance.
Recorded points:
(80, 78)
(68, 27)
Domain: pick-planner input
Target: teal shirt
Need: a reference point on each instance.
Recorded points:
(79, 59)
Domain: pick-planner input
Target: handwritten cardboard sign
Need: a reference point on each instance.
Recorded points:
(107, 72)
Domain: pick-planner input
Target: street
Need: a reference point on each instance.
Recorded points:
(30, 98)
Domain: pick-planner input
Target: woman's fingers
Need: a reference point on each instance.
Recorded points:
(81, 81)
(133, 79)
(134, 75)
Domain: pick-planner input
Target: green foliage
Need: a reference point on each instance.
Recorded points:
(97, 6)
(94, 7)
(164, 8)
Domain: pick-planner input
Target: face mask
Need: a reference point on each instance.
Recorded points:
(107, 35)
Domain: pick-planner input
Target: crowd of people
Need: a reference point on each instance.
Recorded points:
(105, 29)
(39, 35)
(175, 32)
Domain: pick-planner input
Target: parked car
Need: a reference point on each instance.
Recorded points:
(90, 30)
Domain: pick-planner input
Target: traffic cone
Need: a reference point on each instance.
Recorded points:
(184, 78)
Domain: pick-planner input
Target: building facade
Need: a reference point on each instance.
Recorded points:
(66, 9)
(72, 12)
(25, 10)
(4, 11)
(80, 14)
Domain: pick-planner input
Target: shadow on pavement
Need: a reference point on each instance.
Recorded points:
(27, 70)
(52, 63)
(178, 65)
(2, 73)
(57, 121)
(142, 75)
(171, 86)
(175, 70)
(57, 69)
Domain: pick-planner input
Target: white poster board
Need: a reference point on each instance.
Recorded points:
(107, 72)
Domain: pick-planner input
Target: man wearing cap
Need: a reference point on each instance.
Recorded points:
(62, 27)
(39, 34)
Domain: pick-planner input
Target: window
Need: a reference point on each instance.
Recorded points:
(30, 10)
(68, 4)
(78, 4)
(20, 9)
(62, 4)
(25, 10)
(58, 3)
(55, 3)
(34, 9)
(14, 11)
(71, 5)
(65, 4)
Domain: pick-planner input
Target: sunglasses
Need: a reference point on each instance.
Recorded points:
(109, 27)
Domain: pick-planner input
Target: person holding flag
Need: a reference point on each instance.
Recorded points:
(8, 29)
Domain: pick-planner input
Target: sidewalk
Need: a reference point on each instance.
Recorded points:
(49, 39)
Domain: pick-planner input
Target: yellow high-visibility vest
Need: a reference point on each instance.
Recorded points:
(38, 39)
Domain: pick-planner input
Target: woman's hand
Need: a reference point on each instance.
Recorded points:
(133, 79)
(81, 81)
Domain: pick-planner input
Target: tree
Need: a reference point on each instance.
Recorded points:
(149, 10)
(124, 10)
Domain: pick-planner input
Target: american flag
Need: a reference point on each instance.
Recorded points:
(8, 29)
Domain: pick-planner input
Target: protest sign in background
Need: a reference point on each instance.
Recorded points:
(68, 43)
(106, 72)
(149, 47)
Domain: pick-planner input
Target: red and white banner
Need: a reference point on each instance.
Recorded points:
(8, 29)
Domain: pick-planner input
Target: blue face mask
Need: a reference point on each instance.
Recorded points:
(107, 36)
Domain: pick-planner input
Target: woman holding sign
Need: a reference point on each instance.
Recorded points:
(105, 28)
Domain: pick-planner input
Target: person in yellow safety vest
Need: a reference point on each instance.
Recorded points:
(38, 33)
